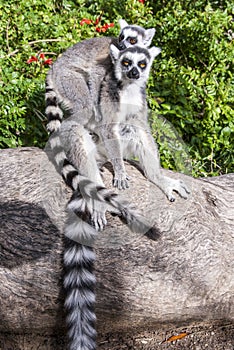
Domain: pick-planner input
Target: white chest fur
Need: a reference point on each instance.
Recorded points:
(131, 101)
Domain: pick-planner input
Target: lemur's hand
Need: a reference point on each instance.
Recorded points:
(121, 181)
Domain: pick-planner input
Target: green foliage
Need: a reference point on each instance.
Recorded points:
(191, 84)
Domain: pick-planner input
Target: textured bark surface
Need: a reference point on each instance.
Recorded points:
(183, 277)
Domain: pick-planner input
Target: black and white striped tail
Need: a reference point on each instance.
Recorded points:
(53, 111)
(79, 284)
(80, 298)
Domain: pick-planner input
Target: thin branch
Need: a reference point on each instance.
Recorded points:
(50, 53)
(30, 43)
(43, 40)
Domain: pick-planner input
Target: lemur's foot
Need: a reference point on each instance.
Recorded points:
(98, 216)
(121, 181)
(178, 186)
(89, 210)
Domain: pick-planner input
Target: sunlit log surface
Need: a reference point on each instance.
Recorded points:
(184, 276)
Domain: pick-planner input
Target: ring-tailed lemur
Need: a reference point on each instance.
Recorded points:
(121, 131)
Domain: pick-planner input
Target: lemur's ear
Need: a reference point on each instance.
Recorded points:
(154, 51)
(114, 52)
(149, 34)
(122, 23)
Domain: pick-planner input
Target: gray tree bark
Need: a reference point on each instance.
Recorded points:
(183, 276)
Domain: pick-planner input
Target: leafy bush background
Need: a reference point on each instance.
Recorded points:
(191, 85)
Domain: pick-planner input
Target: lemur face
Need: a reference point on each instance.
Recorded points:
(134, 35)
(133, 63)
(129, 37)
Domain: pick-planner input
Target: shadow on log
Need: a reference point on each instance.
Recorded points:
(183, 277)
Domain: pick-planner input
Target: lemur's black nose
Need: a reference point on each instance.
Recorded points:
(133, 73)
(122, 46)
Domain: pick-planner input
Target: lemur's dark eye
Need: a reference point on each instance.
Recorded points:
(132, 40)
(142, 64)
(121, 37)
(126, 63)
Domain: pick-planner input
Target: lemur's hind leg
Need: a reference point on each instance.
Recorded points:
(141, 144)
(81, 152)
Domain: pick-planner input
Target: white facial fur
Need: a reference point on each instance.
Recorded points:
(134, 57)
(135, 35)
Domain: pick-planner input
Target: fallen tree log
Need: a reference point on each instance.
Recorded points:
(184, 275)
